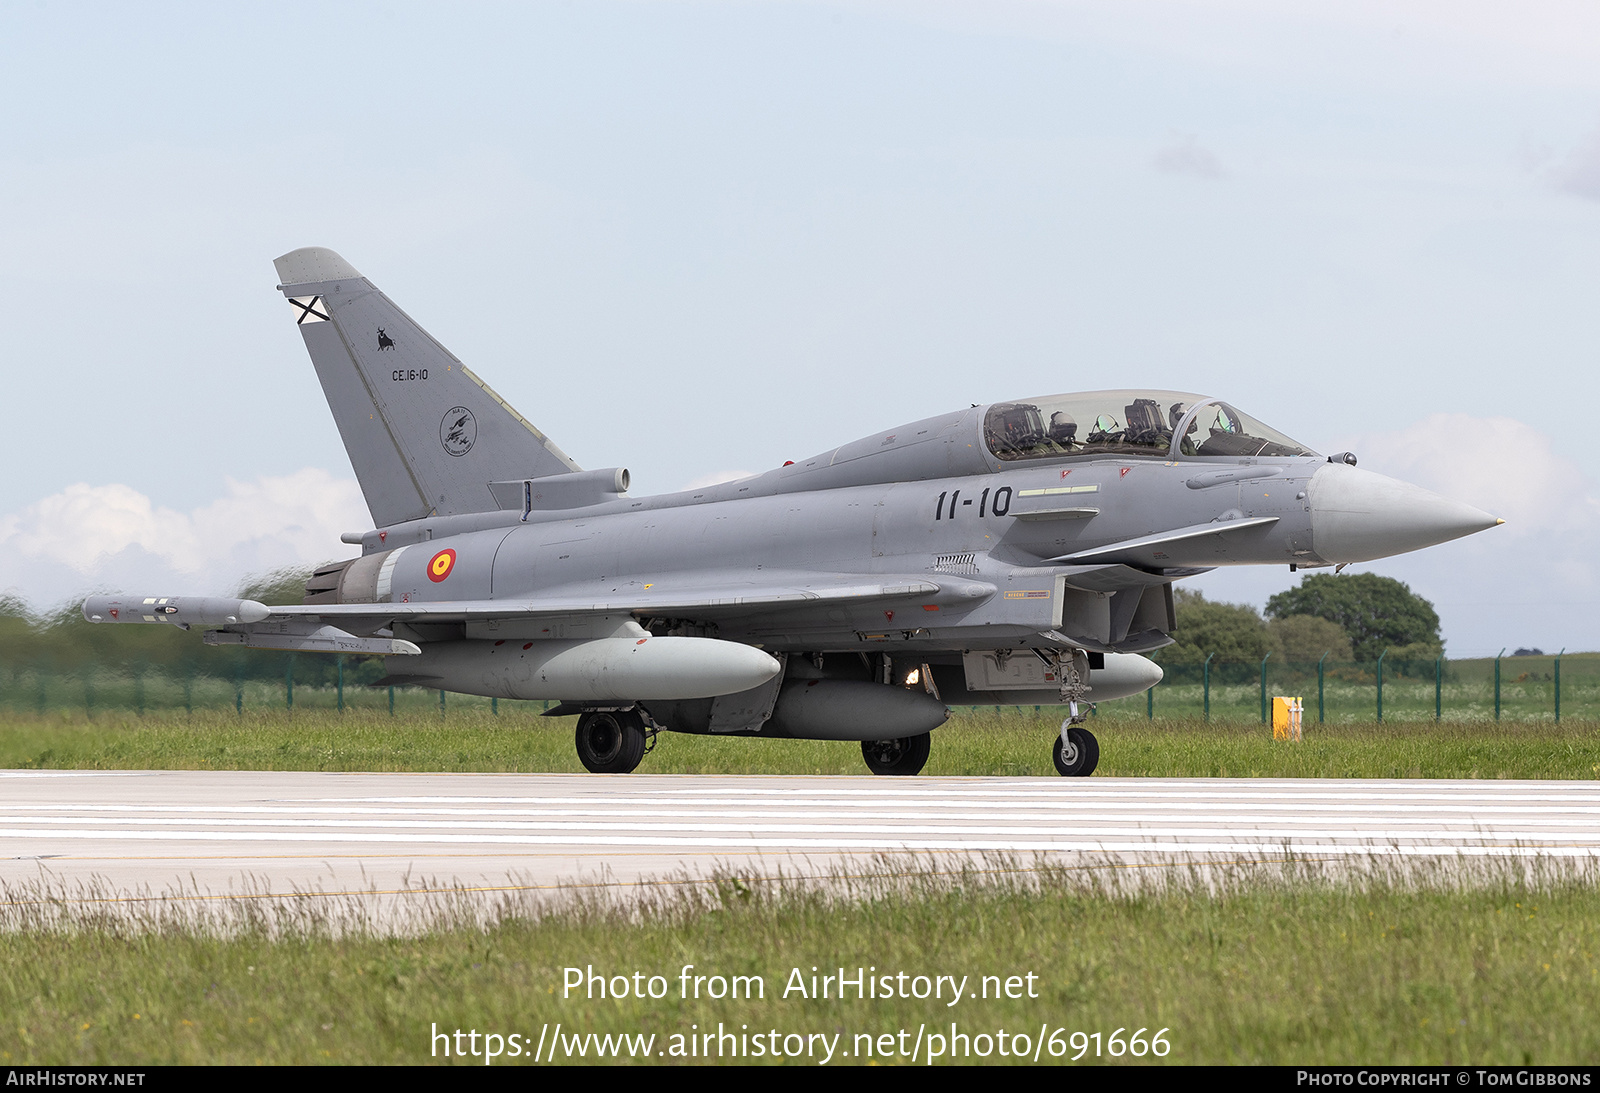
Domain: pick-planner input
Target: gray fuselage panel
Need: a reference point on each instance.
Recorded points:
(981, 526)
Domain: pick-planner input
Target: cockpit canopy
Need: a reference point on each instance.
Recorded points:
(1123, 423)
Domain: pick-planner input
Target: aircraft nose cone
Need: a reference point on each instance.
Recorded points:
(1357, 516)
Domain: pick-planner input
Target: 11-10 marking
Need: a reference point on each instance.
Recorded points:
(1001, 506)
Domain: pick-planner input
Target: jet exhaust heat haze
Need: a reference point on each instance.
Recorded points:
(1019, 552)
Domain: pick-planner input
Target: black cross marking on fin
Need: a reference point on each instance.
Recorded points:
(310, 309)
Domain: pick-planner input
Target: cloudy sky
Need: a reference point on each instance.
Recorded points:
(700, 238)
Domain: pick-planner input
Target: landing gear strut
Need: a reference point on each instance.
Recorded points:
(611, 742)
(903, 756)
(1076, 752)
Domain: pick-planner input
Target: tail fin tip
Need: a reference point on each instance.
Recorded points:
(310, 265)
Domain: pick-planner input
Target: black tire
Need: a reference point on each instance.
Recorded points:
(1080, 754)
(907, 755)
(610, 743)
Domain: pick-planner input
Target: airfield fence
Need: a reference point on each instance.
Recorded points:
(1510, 688)
(1502, 688)
(306, 683)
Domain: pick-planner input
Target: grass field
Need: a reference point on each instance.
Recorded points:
(1277, 967)
(975, 742)
(1279, 964)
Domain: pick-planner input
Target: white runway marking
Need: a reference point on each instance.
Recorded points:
(303, 832)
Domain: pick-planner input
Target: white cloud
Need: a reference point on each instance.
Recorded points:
(1185, 156)
(716, 478)
(93, 536)
(1421, 43)
(1580, 174)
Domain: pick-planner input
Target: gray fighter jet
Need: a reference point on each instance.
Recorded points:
(1020, 552)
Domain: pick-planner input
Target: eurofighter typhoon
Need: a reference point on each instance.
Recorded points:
(1019, 552)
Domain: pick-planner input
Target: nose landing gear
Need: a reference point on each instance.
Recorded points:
(1076, 752)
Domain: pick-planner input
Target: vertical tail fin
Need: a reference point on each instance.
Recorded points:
(424, 434)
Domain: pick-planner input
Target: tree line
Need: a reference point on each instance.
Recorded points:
(1352, 617)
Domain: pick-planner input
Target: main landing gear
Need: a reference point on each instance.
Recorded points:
(1076, 752)
(904, 756)
(613, 742)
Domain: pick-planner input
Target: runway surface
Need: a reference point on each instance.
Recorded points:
(208, 834)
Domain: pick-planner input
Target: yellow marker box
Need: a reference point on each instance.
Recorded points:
(1286, 714)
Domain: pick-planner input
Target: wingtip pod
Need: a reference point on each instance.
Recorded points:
(313, 265)
(174, 610)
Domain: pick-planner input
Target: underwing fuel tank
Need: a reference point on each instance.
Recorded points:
(840, 709)
(620, 669)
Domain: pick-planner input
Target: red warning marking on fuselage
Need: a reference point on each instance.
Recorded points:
(441, 564)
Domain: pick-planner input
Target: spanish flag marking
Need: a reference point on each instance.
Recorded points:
(440, 566)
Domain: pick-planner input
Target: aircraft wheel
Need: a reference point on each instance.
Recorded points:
(907, 755)
(611, 743)
(1078, 755)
